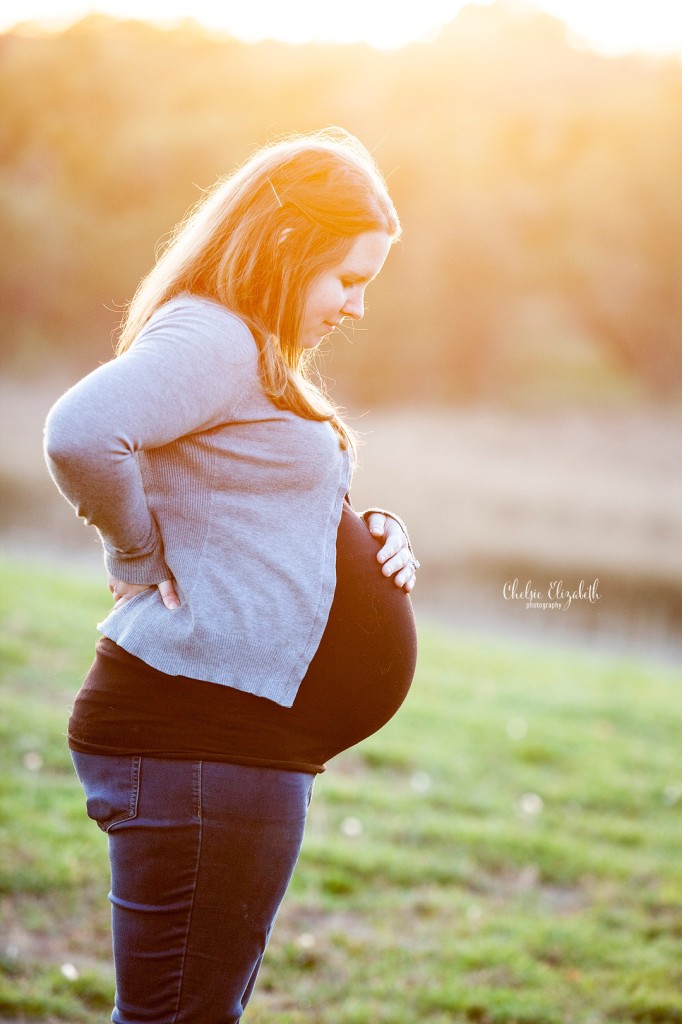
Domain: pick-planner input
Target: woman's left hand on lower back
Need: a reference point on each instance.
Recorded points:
(395, 556)
(123, 592)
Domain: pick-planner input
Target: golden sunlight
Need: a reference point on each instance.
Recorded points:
(380, 24)
(612, 26)
(606, 25)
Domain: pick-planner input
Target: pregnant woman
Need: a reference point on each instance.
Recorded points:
(260, 626)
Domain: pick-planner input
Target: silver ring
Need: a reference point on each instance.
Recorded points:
(415, 564)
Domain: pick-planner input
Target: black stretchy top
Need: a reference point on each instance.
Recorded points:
(357, 680)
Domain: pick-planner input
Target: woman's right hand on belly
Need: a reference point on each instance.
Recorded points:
(123, 592)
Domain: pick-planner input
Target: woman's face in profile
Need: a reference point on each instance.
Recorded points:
(339, 290)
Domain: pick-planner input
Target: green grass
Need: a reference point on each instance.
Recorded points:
(505, 851)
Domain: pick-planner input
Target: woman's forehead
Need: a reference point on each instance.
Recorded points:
(366, 256)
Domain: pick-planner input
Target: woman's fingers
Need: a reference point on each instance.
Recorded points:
(403, 568)
(407, 576)
(395, 555)
(395, 541)
(123, 595)
(123, 592)
(169, 595)
(377, 524)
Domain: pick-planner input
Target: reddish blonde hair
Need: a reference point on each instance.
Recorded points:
(256, 241)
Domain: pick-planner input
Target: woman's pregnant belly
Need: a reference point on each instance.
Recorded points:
(364, 665)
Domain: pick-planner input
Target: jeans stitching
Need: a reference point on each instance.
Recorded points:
(135, 771)
(197, 785)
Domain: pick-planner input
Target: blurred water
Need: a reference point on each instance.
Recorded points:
(489, 496)
(634, 620)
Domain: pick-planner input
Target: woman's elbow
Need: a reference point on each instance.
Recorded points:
(64, 443)
(53, 432)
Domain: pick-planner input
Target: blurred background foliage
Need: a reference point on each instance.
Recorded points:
(538, 184)
(519, 371)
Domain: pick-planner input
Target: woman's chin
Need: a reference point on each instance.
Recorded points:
(313, 339)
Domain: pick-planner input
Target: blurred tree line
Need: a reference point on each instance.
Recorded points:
(538, 184)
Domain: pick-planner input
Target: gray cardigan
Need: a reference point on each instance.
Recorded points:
(187, 470)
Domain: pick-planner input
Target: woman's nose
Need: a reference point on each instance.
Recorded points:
(354, 307)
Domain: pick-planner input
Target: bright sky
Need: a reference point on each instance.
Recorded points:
(613, 26)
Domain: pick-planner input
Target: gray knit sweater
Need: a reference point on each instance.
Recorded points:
(174, 452)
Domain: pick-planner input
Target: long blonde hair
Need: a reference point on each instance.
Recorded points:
(258, 238)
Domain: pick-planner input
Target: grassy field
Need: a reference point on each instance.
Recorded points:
(506, 851)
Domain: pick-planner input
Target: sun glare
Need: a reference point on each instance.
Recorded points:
(383, 25)
(616, 27)
(607, 25)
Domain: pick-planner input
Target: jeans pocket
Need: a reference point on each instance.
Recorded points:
(111, 784)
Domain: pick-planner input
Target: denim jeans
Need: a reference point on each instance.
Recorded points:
(201, 855)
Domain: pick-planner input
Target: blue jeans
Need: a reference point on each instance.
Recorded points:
(201, 855)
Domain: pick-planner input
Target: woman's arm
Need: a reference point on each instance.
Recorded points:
(188, 371)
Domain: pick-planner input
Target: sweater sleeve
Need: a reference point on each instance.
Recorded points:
(188, 370)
